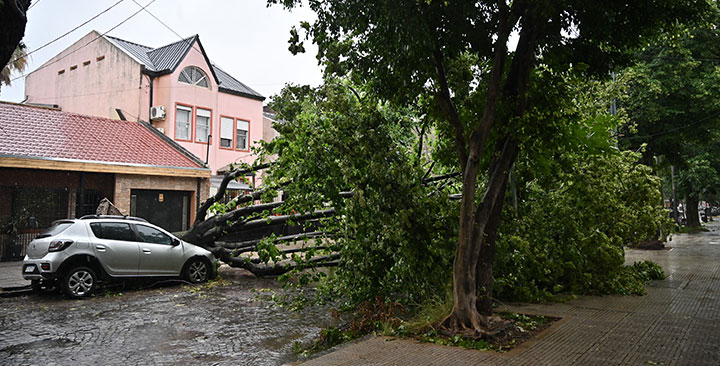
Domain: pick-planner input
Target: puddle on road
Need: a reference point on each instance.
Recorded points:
(39, 344)
(233, 324)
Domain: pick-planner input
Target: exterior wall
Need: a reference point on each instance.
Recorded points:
(116, 81)
(170, 93)
(95, 80)
(269, 133)
(245, 109)
(126, 182)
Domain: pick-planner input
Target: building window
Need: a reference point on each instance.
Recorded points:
(194, 76)
(226, 132)
(242, 134)
(202, 125)
(183, 120)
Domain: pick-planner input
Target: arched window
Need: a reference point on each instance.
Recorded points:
(194, 76)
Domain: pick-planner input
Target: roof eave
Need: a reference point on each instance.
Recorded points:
(97, 166)
(112, 41)
(238, 93)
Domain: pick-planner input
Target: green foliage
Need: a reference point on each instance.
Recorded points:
(432, 336)
(393, 228)
(524, 322)
(674, 108)
(571, 229)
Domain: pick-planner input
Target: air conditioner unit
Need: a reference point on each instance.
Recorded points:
(157, 113)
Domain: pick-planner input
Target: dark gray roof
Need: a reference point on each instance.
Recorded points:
(233, 86)
(140, 52)
(168, 57)
(165, 59)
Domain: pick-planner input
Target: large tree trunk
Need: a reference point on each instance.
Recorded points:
(691, 211)
(474, 257)
(484, 271)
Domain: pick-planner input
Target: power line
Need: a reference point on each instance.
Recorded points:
(176, 33)
(66, 33)
(33, 4)
(672, 129)
(93, 40)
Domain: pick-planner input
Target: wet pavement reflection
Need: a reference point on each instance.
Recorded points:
(233, 324)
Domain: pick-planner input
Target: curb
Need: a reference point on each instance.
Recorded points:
(15, 291)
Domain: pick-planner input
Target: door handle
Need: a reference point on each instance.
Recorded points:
(147, 251)
(100, 248)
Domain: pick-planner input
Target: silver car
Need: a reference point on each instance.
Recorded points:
(77, 253)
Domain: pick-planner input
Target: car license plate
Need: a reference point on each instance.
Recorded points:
(30, 268)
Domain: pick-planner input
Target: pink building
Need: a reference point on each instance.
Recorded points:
(176, 87)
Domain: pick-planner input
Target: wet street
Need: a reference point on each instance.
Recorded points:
(235, 324)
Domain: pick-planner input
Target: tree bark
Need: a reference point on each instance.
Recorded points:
(202, 211)
(468, 315)
(691, 211)
(484, 271)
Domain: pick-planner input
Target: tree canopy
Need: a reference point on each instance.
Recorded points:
(674, 107)
(412, 51)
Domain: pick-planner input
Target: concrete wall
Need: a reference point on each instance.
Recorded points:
(91, 77)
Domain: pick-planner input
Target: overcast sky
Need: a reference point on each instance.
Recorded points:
(244, 37)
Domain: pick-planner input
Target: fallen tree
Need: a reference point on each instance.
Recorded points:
(237, 237)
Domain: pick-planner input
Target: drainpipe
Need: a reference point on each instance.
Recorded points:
(198, 199)
(207, 151)
(152, 78)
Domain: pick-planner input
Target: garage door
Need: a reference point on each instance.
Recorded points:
(168, 209)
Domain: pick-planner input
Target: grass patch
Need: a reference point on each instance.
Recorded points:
(382, 318)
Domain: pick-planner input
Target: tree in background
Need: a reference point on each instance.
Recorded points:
(18, 63)
(412, 51)
(674, 108)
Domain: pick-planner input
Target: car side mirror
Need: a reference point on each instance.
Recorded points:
(176, 242)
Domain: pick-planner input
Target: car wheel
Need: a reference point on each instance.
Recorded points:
(79, 282)
(197, 271)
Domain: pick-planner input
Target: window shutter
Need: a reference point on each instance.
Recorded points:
(226, 128)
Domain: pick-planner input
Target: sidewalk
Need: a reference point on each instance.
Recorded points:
(11, 275)
(676, 323)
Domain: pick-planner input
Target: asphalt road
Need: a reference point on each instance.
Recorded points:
(231, 324)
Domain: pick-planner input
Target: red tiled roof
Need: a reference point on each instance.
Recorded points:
(48, 133)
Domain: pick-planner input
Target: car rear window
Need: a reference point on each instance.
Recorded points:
(112, 231)
(56, 228)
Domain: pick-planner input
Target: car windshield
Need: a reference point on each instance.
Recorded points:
(56, 228)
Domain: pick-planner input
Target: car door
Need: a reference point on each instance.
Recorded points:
(159, 255)
(116, 248)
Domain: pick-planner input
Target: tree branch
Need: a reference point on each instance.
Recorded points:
(202, 211)
(447, 105)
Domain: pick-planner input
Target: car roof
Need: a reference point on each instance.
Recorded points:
(113, 217)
